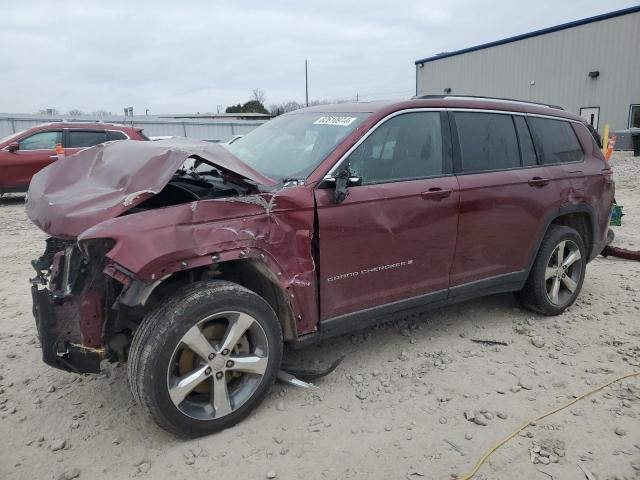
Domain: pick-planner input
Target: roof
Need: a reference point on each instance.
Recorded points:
(383, 108)
(544, 31)
(485, 98)
(80, 124)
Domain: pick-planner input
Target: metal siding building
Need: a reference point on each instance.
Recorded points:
(199, 128)
(552, 66)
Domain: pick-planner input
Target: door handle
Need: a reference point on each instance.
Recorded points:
(538, 182)
(53, 156)
(436, 193)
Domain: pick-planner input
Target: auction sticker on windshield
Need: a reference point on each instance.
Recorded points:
(341, 121)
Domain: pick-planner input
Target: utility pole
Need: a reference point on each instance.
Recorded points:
(306, 82)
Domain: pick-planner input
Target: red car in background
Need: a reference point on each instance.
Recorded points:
(25, 153)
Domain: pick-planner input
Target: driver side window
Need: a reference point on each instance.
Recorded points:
(408, 146)
(42, 140)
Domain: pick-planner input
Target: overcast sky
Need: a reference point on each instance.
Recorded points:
(191, 56)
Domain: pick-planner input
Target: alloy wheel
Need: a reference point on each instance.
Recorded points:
(217, 365)
(563, 272)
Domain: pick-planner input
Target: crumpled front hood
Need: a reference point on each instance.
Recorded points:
(80, 191)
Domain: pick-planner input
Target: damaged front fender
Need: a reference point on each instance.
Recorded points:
(275, 229)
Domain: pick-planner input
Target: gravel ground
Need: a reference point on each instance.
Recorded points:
(413, 399)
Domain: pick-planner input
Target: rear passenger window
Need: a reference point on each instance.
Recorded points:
(527, 151)
(487, 141)
(404, 147)
(556, 140)
(86, 138)
(115, 135)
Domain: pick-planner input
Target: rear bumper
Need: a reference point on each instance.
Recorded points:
(56, 352)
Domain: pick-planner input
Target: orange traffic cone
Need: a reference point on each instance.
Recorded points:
(59, 151)
(610, 146)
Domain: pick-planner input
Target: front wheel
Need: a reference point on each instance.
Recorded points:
(202, 360)
(557, 274)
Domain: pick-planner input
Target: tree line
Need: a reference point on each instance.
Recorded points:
(257, 101)
(255, 104)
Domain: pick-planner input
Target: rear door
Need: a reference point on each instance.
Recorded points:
(393, 237)
(79, 139)
(37, 150)
(505, 195)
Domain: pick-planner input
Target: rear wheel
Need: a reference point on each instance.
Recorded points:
(557, 274)
(205, 358)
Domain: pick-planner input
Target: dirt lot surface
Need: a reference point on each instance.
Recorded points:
(413, 399)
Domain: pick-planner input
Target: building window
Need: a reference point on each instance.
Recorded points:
(634, 116)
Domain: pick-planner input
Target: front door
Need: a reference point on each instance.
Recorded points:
(36, 152)
(591, 115)
(394, 236)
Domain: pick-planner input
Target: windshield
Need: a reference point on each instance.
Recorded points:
(291, 146)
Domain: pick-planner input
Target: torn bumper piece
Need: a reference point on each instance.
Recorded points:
(63, 355)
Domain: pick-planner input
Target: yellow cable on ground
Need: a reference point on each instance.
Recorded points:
(526, 424)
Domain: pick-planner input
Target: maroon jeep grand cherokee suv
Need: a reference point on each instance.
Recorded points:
(196, 262)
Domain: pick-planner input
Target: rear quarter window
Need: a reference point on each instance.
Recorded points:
(142, 135)
(487, 141)
(556, 141)
(116, 135)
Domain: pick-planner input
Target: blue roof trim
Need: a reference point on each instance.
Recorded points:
(564, 26)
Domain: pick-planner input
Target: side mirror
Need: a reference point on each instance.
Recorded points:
(13, 147)
(340, 183)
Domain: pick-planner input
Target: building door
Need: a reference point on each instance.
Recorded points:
(591, 114)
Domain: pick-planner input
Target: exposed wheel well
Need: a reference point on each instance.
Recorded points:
(581, 222)
(249, 273)
(257, 277)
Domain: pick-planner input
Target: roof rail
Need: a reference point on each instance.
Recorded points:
(79, 120)
(480, 97)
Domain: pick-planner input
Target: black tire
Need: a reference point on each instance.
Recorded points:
(534, 296)
(161, 333)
